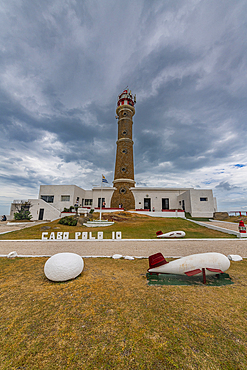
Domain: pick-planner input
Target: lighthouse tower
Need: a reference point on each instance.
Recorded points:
(124, 166)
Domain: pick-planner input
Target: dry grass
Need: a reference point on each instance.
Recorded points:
(236, 219)
(109, 318)
(133, 226)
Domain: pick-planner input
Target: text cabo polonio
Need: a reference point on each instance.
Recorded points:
(64, 235)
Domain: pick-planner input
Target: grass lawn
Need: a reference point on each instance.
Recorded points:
(133, 226)
(109, 318)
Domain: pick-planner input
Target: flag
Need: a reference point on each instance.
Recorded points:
(104, 180)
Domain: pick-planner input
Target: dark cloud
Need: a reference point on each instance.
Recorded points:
(63, 64)
(23, 181)
(224, 185)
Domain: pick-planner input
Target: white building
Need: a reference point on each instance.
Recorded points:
(54, 198)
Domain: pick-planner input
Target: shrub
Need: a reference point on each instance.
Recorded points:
(23, 213)
(68, 220)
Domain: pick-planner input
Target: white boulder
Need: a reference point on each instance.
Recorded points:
(12, 254)
(129, 258)
(117, 256)
(63, 266)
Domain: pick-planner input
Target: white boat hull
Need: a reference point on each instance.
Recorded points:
(191, 265)
(172, 234)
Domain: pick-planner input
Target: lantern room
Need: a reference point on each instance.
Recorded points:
(126, 98)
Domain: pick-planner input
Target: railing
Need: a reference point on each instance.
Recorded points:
(18, 201)
(237, 213)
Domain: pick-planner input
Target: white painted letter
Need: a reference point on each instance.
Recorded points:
(90, 236)
(118, 235)
(52, 236)
(100, 235)
(59, 235)
(43, 235)
(84, 235)
(66, 235)
(113, 235)
(77, 234)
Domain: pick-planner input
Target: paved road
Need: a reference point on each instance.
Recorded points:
(226, 225)
(138, 248)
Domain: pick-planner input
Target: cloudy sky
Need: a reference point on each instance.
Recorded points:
(63, 64)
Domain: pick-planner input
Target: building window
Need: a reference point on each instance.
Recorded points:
(122, 191)
(88, 202)
(48, 198)
(65, 198)
(203, 199)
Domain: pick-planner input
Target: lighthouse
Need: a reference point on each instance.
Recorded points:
(124, 165)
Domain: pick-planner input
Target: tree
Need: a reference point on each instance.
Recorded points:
(23, 213)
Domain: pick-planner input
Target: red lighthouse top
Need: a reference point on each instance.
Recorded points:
(126, 98)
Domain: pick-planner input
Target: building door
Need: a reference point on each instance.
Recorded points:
(183, 205)
(165, 203)
(41, 213)
(102, 202)
(147, 203)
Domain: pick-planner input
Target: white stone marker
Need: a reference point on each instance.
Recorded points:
(63, 266)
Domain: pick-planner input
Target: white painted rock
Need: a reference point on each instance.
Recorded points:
(12, 254)
(129, 258)
(172, 234)
(63, 266)
(235, 257)
(117, 256)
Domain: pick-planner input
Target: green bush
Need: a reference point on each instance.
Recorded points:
(23, 213)
(68, 220)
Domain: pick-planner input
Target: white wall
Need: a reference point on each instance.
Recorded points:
(156, 195)
(74, 192)
(202, 208)
(50, 212)
(106, 193)
(58, 190)
(187, 201)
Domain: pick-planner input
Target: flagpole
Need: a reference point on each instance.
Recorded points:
(100, 202)
(101, 199)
